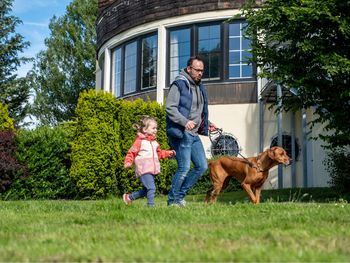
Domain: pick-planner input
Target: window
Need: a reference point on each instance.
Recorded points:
(239, 52)
(209, 48)
(116, 71)
(130, 67)
(287, 145)
(223, 47)
(180, 51)
(223, 143)
(149, 62)
(134, 65)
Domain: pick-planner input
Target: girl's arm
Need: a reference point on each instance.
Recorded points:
(132, 153)
(162, 154)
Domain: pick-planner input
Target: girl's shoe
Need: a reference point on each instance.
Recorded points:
(126, 199)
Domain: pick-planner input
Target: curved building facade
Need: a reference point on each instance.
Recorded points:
(143, 44)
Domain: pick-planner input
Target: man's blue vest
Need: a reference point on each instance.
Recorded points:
(175, 130)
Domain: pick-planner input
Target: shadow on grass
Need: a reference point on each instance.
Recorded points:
(318, 195)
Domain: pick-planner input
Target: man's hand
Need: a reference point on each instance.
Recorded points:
(190, 125)
(212, 127)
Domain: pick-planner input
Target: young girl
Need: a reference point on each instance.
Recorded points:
(145, 152)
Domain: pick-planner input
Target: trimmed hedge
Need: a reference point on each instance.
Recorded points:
(45, 152)
(95, 147)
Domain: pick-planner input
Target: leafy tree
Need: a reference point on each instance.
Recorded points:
(13, 92)
(305, 45)
(67, 66)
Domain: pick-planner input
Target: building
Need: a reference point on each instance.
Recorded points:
(142, 45)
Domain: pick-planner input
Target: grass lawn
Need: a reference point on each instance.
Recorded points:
(288, 226)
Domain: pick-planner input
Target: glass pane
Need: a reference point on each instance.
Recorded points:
(180, 50)
(234, 29)
(245, 43)
(234, 58)
(234, 72)
(247, 71)
(149, 62)
(209, 48)
(235, 44)
(117, 72)
(246, 56)
(130, 68)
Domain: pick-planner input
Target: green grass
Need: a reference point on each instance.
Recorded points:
(298, 228)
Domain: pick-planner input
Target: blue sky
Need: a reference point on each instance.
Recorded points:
(36, 15)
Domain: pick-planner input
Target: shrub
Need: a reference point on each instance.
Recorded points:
(45, 152)
(95, 147)
(339, 169)
(8, 162)
(6, 123)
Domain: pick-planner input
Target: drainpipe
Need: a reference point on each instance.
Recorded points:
(261, 125)
(279, 133)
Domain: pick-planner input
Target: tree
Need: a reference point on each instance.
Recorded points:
(13, 92)
(66, 68)
(305, 45)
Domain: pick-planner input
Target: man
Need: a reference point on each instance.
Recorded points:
(186, 117)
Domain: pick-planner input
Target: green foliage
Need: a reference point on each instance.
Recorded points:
(12, 91)
(305, 45)
(95, 146)
(6, 123)
(67, 66)
(337, 163)
(45, 153)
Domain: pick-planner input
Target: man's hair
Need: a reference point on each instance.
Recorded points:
(190, 60)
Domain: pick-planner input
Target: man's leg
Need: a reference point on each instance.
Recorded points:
(199, 161)
(183, 158)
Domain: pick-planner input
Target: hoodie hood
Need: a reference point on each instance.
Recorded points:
(147, 137)
(185, 76)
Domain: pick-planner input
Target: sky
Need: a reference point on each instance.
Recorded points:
(36, 15)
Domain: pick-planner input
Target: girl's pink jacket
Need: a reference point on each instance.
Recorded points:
(146, 153)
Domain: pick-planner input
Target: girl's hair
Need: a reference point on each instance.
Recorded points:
(143, 123)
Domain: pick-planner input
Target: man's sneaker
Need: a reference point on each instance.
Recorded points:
(126, 199)
(182, 203)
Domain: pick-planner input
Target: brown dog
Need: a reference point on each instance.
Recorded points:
(251, 172)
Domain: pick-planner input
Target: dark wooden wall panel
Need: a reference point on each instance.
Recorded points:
(119, 15)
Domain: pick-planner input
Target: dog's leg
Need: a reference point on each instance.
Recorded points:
(257, 194)
(250, 193)
(208, 196)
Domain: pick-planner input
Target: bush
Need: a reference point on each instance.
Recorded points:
(95, 147)
(6, 123)
(45, 153)
(337, 164)
(9, 165)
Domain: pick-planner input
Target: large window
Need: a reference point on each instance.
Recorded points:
(223, 47)
(134, 66)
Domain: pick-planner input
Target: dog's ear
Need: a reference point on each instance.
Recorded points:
(271, 153)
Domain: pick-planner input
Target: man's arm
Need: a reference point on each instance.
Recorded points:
(172, 104)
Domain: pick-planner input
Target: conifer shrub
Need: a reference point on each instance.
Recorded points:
(95, 145)
(6, 123)
(45, 152)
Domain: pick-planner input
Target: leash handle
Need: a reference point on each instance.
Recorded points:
(214, 133)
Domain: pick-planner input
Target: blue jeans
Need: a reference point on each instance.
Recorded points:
(148, 189)
(188, 148)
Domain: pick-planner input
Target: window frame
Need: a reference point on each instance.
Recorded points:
(224, 51)
(139, 54)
